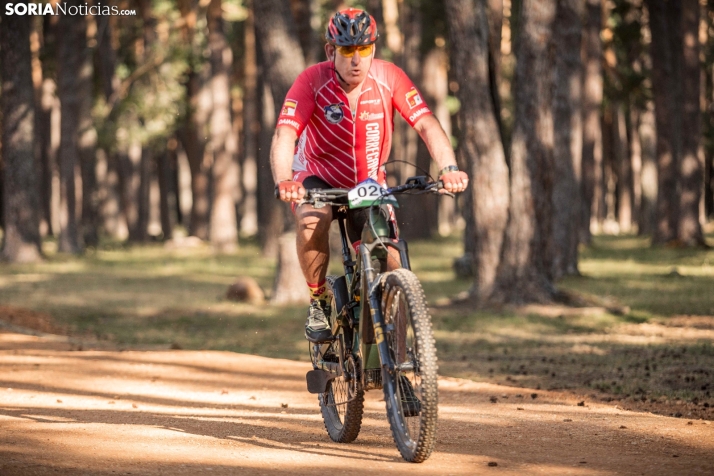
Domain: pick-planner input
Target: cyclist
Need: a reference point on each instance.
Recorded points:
(340, 112)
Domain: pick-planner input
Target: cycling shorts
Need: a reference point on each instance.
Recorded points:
(355, 218)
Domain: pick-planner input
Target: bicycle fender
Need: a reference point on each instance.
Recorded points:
(317, 380)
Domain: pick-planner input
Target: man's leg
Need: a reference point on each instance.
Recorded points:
(313, 241)
(313, 249)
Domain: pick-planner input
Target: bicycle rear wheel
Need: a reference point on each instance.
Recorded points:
(411, 390)
(342, 405)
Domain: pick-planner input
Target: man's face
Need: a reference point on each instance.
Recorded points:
(353, 69)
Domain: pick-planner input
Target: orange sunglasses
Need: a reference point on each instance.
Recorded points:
(349, 51)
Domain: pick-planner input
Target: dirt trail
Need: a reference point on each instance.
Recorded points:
(183, 412)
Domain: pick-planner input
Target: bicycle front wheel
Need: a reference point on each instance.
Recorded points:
(411, 390)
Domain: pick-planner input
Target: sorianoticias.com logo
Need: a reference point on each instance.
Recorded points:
(64, 9)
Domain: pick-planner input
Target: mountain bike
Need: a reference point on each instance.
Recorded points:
(381, 329)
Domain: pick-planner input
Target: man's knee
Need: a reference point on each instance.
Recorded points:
(313, 220)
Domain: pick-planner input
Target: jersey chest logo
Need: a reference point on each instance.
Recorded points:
(334, 113)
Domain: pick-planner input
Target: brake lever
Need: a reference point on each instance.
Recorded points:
(438, 187)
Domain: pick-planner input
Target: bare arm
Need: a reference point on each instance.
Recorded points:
(436, 141)
(281, 161)
(282, 150)
(441, 151)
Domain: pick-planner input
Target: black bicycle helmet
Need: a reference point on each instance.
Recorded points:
(351, 27)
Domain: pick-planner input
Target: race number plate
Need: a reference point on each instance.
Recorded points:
(369, 193)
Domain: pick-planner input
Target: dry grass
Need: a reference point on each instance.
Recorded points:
(654, 355)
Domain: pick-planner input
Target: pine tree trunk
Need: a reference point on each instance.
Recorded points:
(278, 41)
(199, 108)
(592, 99)
(289, 286)
(635, 151)
(165, 171)
(21, 241)
(495, 25)
(480, 144)
(41, 127)
(251, 132)
(691, 170)
(665, 91)
(224, 227)
(435, 76)
(568, 144)
(647, 133)
(303, 13)
(71, 35)
(87, 145)
(525, 271)
(623, 169)
(112, 216)
(416, 214)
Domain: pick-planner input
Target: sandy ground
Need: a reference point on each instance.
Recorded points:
(65, 411)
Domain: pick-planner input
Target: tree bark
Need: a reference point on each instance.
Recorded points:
(71, 35)
(303, 12)
(623, 169)
(278, 42)
(20, 203)
(635, 152)
(592, 99)
(223, 145)
(41, 128)
(495, 25)
(647, 133)
(112, 214)
(192, 134)
(480, 145)
(690, 170)
(251, 131)
(87, 145)
(417, 219)
(525, 271)
(665, 92)
(289, 284)
(568, 144)
(168, 204)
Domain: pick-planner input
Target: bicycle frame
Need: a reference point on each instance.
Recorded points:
(367, 322)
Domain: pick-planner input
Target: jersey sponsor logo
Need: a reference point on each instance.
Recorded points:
(288, 122)
(372, 147)
(419, 113)
(334, 113)
(370, 116)
(371, 101)
(289, 107)
(413, 98)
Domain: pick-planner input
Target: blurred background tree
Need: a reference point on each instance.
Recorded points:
(573, 117)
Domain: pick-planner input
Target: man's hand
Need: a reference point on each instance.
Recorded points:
(289, 191)
(455, 182)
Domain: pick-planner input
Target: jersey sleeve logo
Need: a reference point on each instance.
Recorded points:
(334, 113)
(289, 107)
(413, 98)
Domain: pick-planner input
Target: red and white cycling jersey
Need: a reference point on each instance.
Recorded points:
(340, 146)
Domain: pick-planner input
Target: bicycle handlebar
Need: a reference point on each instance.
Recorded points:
(328, 196)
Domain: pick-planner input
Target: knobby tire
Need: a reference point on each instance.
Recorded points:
(407, 321)
(342, 421)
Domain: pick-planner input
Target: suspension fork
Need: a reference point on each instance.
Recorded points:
(372, 288)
